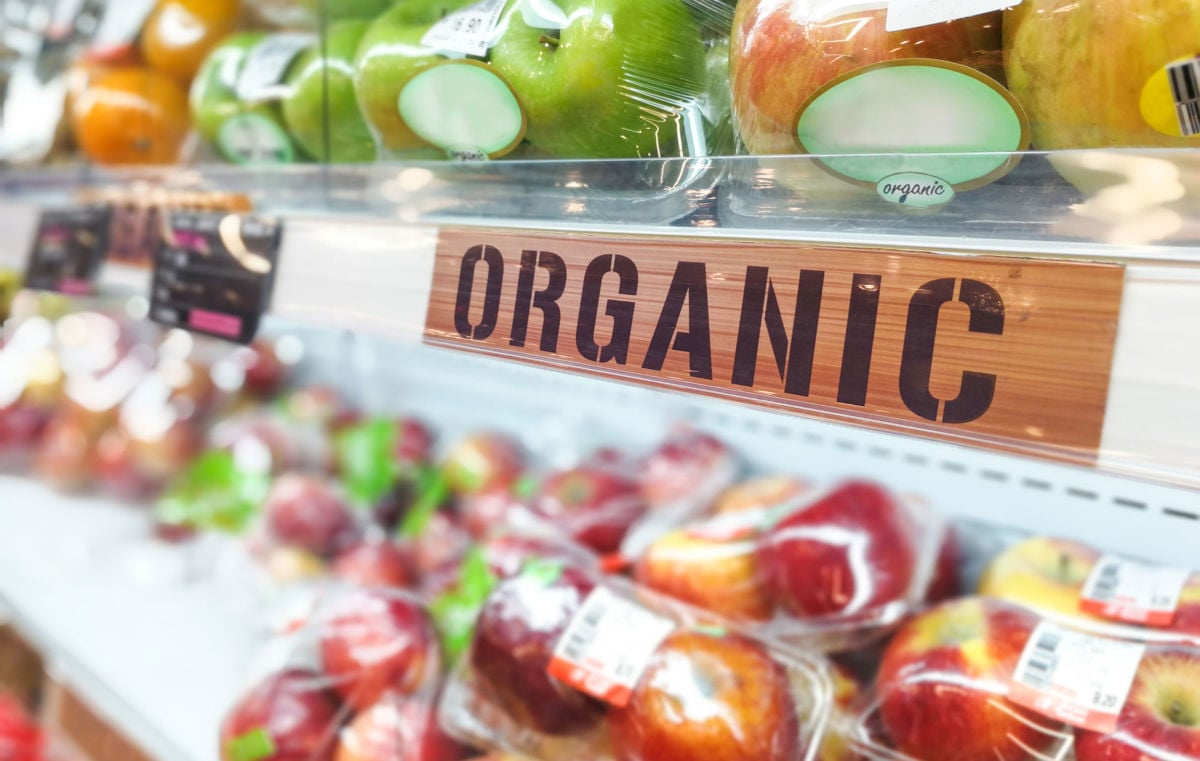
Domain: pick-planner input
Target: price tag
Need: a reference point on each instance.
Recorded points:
(1080, 679)
(607, 646)
(267, 65)
(468, 31)
(1123, 590)
(68, 250)
(213, 273)
(910, 14)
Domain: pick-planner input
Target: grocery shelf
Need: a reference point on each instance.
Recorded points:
(147, 633)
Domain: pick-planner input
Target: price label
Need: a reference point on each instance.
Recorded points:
(267, 65)
(910, 14)
(607, 646)
(213, 273)
(469, 31)
(68, 250)
(1079, 679)
(1123, 590)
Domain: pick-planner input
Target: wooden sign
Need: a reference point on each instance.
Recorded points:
(1006, 351)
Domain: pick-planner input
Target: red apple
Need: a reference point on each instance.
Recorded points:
(441, 541)
(305, 511)
(944, 583)
(1161, 717)
(289, 717)
(782, 51)
(515, 635)
(1042, 573)
(484, 511)
(320, 405)
(373, 641)
(482, 462)
(943, 681)
(265, 371)
(594, 506)
(760, 494)
(507, 553)
(851, 551)
(681, 464)
(63, 456)
(397, 728)
(414, 441)
(375, 564)
(712, 697)
(714, 573)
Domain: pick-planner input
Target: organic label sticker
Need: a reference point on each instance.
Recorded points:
(1127, 591)
(1080, 679)
(252, 746)
(468, 31)
(943, 119)
(607, 646)
(465, 108)
(915, 189)
(1170, 101)
(254, 139)
(909, 14)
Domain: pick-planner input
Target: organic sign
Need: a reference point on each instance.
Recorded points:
(995, 348)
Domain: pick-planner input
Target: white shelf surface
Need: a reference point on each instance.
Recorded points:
(146, 633)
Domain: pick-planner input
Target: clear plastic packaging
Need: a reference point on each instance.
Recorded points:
(1075, 583)
(834, 570)
(942, 691)
(482, 79)
(359, 681)
(655, 662)
(980, 678)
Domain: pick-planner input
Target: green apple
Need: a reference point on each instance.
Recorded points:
(243, 133)
(391, 54)
(345, 10)
(614, 81)
(322, 97)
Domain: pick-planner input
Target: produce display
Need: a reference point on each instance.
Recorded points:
(875, 93)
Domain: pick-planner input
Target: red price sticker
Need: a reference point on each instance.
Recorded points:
(607, 646)
(1080, 679)
(1123, 590)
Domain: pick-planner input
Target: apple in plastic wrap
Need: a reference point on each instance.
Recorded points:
(1041, 573)
(852, 551)
(515, 636)
(1161, 716)
(373, 641)
(783, 51)
(288, 717)
(396, 728)
(712, 696)
(943, 681)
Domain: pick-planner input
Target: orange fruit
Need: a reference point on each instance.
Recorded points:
(131, 116)
(179, 34)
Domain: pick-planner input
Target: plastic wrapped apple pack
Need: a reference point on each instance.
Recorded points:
(819, 78)
(566, 665)
(978, 678)
(1075, 583)
(478, 79)
(834, 570)
(358, 682)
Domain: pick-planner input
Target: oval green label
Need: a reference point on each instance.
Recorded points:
(915, 189)
(914, 116)
(253, 138)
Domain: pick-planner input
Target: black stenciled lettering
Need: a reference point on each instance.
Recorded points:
(860, 339)
(620, 311)
(546, 299)
(490, 255)
(690, 283)
(760, 306)
(977, 389)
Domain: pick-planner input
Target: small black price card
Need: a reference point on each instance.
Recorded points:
(68, 250)
(213, 273)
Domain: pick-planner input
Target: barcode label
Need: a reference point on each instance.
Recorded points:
(607, 646)
(1122, 590)
(468, 32)
(1076, 678)
(1185, 90)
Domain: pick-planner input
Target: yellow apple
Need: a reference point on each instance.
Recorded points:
(1042, 572)
(717, 574)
